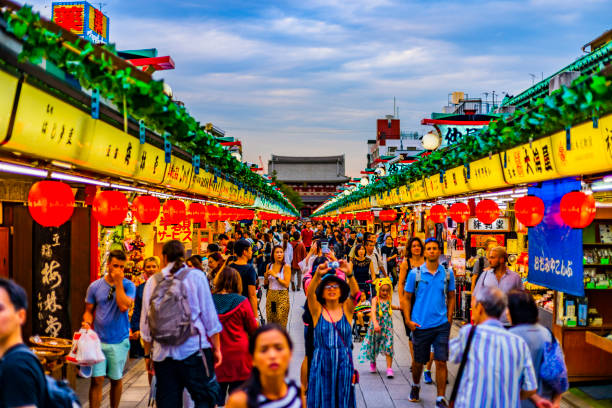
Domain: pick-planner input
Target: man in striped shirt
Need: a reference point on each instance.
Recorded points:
(499, 371)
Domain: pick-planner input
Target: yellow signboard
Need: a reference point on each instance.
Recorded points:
(434, 186)
(178, 174)
(590, 149)
(165, 232)
(455, 181)
(112, 150)
(530, 162)
(417, 191)
(8, 84)
(150, 165)
(404, 194)
(201, 183)
(49, 128)
(486, 173)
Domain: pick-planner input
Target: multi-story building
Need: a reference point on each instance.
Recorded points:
(315, 179)
(391, 142)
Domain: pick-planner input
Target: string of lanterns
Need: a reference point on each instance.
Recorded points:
(51, 204)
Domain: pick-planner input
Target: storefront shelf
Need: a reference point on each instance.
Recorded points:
(596, 244)
(598, 341)
(596, 328)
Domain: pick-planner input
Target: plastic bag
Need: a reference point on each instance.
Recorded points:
(86, 349)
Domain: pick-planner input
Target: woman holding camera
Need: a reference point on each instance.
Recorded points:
(278, 278)
(332, 378)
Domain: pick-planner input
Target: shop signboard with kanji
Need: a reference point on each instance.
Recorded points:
(500, 224)
(530, 162)
(452, 133)
(51, 283)
(82, 19)
(182, 231)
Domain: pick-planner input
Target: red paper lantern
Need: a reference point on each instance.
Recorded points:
(109, 208)
(145, 208)
(50, 203)
(197, 213)
(529, 210)
(459, 212)
(577, 209)
(212, 213)
(487, 211)
(174, 212)
(387, 215)
(437, 213)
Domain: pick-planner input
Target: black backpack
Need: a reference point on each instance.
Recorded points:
(59, 393)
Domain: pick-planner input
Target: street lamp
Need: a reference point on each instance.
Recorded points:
(431, 141)
(364, 181)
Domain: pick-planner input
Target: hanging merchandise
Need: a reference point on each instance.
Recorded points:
(110, 208)
(146, 208)
(459, 212)
(529, 210)
(50, 203)
(174, 212)
(577, 209)
(437, 213)
(487, 211)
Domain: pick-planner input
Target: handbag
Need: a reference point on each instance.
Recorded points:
(355, 379)
(553, 371)
(453, 396)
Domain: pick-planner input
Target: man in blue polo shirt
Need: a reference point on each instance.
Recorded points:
(429, 317)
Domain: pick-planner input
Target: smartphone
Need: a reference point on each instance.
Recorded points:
(324, 247)
(273, 307)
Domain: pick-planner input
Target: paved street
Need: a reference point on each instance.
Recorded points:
(374, 390)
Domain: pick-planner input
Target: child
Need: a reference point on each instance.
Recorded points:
(361, 308)
(379, 339)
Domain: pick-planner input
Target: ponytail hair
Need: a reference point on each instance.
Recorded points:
(252, 387)
(174, 252)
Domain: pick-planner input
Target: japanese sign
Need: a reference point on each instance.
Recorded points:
(555, 249)
(453, 133)
(417, 190)
(590, 149)
(166, 232)
(480, 240)
(82, 19)
(455, 181)
(434, 186)
(500, 224)
(486, 173)
(530, 162)
(51, 285)
(9, 84)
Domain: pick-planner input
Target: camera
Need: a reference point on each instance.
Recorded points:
(334, 265)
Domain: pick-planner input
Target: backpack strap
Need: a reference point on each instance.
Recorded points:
(446, 281)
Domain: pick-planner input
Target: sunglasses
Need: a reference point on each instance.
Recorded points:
(110, 293)
(332, 286)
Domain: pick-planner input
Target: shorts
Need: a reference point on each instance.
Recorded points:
(116, 356)
(424, 339)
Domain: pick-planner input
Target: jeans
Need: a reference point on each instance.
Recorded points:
(191, 373)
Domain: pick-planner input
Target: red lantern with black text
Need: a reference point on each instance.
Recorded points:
(174, 212)
(197, 213)
(437, 213)
(212, 213)
(487, 211)
(577, 209)
(145, 208)
(50, 203)
(387, 215)
(459, 212)
(529, 210)
(109, 208)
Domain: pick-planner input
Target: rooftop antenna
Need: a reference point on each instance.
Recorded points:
(100, 5)
(533, 77)
(394, 106)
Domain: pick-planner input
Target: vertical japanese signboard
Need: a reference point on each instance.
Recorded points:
(51, 281)
(555, 249)
(82, 19)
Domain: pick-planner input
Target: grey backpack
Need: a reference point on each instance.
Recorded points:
(169, 312)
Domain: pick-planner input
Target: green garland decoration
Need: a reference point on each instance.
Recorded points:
(588, 98)
(144, 100)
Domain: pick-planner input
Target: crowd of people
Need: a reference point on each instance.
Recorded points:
(206, 341)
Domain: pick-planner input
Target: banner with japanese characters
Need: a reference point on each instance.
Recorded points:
(555, 249)
(51, 281)
(181, 232)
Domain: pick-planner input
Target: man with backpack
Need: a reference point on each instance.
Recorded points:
(109, 299)
(433, 289)
(180, 329)
(22, 380)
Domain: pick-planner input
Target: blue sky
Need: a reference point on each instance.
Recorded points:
(312, 77)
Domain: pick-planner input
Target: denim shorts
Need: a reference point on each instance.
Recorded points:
(424, 339)
(116, 356)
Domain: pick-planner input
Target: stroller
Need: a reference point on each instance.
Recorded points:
(359, 331)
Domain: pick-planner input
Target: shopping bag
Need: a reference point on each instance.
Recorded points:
(86, 349)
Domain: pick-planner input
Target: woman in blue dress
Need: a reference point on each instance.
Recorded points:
(330, 383)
